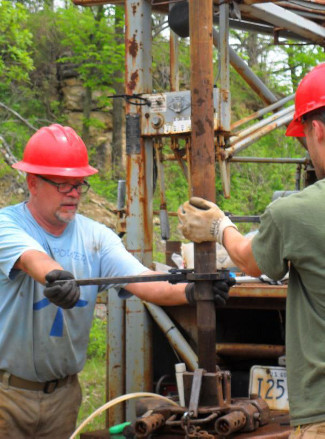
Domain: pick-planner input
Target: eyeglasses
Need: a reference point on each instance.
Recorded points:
(65, 188)
(303, 118)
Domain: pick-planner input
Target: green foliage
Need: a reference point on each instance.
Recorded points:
(15, 44)
(253, 184)
(97, 339)
(302, 60)
(104, 185)
(92, 381)
(90, 40)
(47, 48)
(92, 377)
(161, 61)
(36, 37)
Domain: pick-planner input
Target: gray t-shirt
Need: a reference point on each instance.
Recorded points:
(38, 340)
(292, 236)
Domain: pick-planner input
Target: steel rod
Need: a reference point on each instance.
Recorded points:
(301, 161)
(256, 135)
(263, 111)
(203, 157)
(247, 131)
(247, 350)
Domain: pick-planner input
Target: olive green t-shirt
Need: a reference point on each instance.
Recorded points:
(292, 236)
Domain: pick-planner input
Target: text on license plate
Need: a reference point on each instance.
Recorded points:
(270, 383)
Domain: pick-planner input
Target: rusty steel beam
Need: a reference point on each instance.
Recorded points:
(250, 130)
(248, 140)
(203, 157)
(173, 62)
(139, 222)
(259, 291)
(303, 161)
(262, 112)
(282, 18)
(224, 109)
(246, 350)
(115, 361)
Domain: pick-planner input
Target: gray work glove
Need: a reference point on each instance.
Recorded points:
(65, 294)
(220, 289)
(202, 220)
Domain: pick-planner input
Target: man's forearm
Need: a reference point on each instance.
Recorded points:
(160, 293)
(240, 251)
(36, 264)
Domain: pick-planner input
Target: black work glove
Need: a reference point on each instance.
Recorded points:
(65, 294)
(220, 290)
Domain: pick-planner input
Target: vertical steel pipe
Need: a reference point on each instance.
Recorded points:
(203, 167)
(115, 356)
(224, 100)
(224, 109)
(138, 42)
(173, 62)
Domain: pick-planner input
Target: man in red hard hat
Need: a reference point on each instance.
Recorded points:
(44, 326)
(291, 237)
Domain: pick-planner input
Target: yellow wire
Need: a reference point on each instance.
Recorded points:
(115, 401)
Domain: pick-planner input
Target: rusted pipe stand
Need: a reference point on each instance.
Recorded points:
(209, 413)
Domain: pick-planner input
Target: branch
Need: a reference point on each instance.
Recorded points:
(9, 157)
(18, 115)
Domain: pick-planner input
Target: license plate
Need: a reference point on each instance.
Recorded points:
(270, 383)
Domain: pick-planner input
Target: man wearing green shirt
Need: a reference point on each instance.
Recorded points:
(291, 237)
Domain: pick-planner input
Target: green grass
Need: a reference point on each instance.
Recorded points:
(92, 378)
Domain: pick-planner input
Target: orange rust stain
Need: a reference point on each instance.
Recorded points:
(133, 80)
(139, 162)
(133, 46)
(134, 8)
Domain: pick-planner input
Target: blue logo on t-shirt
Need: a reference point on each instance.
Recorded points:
(57, 327)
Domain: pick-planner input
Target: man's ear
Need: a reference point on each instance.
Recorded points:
(32, 183)
(319, 130)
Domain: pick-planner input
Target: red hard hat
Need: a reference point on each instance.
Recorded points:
(310, 95)
(56, 150)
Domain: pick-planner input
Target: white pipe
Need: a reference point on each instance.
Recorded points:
(173, 335)
(180, 368)
(262, 279)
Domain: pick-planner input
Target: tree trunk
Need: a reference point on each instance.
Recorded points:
(86, 116)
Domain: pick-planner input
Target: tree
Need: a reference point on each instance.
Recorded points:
(16, 64)
(88, 36)
(15, 44)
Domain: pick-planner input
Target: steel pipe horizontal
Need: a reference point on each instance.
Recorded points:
(256, 135)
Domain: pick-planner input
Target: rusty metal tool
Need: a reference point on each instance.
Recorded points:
(173, 276)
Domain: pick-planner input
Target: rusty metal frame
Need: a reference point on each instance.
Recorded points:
(283, 18)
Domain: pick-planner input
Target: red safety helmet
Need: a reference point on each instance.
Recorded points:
(56, 150)
(310, 95)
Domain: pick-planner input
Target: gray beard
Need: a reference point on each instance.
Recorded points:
(64, 220)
